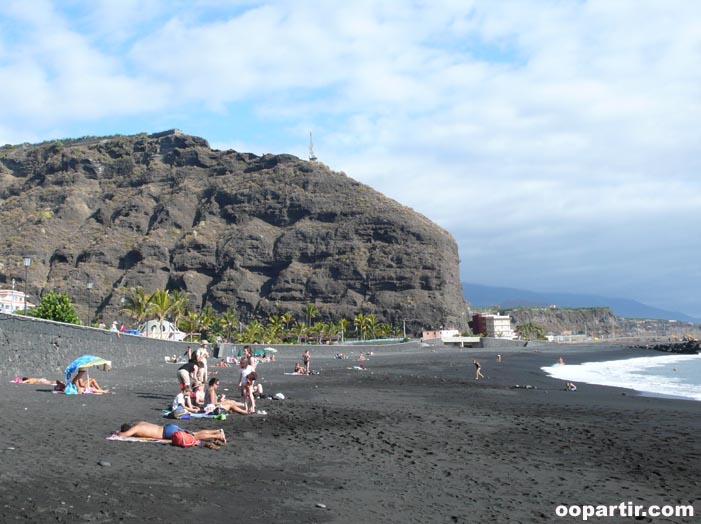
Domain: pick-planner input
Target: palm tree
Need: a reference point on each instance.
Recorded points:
(190, 323)
(179, 299)
(317, 330)
(361, 322)
(384, 330)
(227, 321)
(207, 318)
(287, 319)
(310, 312)
(299, 330)
(372, 324)
(161, 305)
(136, 304)
(332, 330)
(253, 332)
(274, 327)
(343, 326)
(530, 331)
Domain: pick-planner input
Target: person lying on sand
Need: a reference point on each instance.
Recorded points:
(148, 430)
(87, 385)
(570, 386)
(33, 380)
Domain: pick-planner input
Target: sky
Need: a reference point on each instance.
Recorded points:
(557, 141)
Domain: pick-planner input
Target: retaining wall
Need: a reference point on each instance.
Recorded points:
(42, 348)
(31, 347)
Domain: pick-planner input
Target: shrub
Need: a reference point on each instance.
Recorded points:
(56, 306)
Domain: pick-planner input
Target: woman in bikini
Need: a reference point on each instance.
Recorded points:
(218, 401)
(87, 385)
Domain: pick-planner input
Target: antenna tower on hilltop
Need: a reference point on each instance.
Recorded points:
(312, 156)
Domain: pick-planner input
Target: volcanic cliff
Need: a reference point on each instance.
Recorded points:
(262, 234)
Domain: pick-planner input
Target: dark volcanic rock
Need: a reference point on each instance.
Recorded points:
(262, 234)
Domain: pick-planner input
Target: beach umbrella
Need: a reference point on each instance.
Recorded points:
(84, 362)
(271, 350)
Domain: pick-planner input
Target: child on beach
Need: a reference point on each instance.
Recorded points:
(249, 390)
(245, 369)
(182, 402)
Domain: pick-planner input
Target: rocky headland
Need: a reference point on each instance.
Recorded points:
(262, 234)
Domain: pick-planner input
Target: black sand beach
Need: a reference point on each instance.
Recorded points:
(413, 438)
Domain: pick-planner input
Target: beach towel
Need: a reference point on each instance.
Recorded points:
(138, 439)
(298, 374)
(166, 414)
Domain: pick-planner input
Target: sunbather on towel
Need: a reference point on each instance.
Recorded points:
(148, 430)
(34, 380)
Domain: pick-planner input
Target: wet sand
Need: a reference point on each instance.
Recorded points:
(413, 438)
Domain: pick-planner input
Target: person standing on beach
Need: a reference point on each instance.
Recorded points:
(201, 356)
(307, 358)
(478, 373)
(187, 373)
(248, 354)
(245, 369)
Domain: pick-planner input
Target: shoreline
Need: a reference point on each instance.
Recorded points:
(634, 375)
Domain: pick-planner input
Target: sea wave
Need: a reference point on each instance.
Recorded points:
(667, 375)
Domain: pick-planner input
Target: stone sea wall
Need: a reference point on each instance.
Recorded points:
(42, 348)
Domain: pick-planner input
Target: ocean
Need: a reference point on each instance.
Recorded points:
(664, 376)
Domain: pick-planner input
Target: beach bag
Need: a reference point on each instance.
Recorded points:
(178, 413)
(183, 439)
(71, 389)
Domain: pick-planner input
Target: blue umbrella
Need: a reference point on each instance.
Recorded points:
(83, 362)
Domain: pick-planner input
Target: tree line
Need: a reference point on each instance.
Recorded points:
(166, 305)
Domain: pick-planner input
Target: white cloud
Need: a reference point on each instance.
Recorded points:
(553, 139)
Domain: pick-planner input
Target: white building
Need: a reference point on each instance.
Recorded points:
(12, 300)
(442, 333)
(498, 326)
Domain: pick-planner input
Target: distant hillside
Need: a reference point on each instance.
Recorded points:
(485, 296)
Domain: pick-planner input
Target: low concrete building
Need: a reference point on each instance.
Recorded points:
(495, 326)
